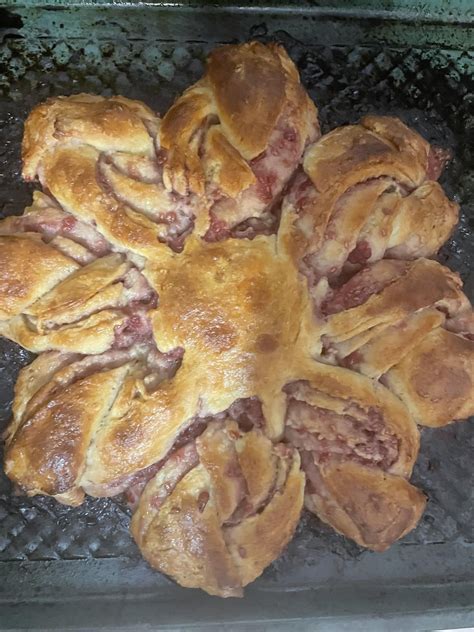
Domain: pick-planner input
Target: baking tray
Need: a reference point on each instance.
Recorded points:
(64, 568)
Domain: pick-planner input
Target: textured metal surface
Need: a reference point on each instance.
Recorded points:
(431, 89)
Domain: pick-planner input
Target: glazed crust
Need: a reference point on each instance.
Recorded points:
(31, 379)
(98, 158)
(247, 87)
(70, 173)
(385, 350)
(265, 316)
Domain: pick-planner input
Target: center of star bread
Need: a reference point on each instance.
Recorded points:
(240, 311)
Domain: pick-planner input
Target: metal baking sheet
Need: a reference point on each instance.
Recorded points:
(65, 568)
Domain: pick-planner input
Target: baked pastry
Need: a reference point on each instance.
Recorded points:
(104, 424)
(435, 379)
(186, 362)
(63, 405)
(111, 162)
(358, 445)
(100, 160)
(367, 191)
(237, 136)
(226, 339)
(390, 321)
(202, 517)
(77, 296)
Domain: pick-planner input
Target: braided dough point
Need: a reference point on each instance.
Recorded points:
(200, 519)
(358, 445)
(113, 124)
(410, 325)
(101, 160)
(373, 508)
(237, 135)
(56, 438)
(367, 191)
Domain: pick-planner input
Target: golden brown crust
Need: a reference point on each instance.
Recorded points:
(378, 146)
(97, 157)
(71, 175)
(355, 153)
(358, 444)
(218, 455)
(426, 283)
(179, 135)
(22, 283)
(258, 463)
(93, 334)
(113, 124)
(392, 320)
(141, 429)
(248, 84)
(260, 539)
(237, 132)
(381, 352)
(397, 332)
(435, 379)
(234, 318)
(59, 304)
(372, 508)
(368, 191)
(423, 222)
(72, 144)
(229, 340)
(219, 154)
(30, 380)
(266, 315)
(87, 290)
(188, 532)
(187, 543)
(66, 300)
(56, 438)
